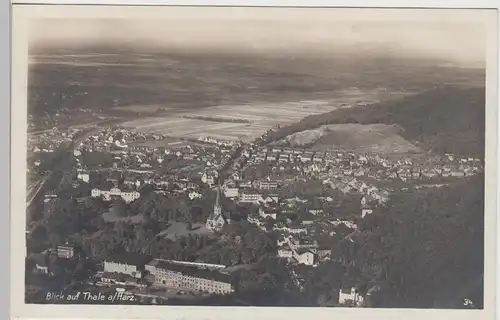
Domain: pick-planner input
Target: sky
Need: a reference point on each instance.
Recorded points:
(455, 35)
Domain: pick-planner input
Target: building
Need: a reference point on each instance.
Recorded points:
(297, 229)
(324, 254)
(318, 158)
(245, 184)
(249, 196)
(365, 212)
(268, 185)
(41, 263)
(65, 252)
(283, 158)
(113, 279)
(285, 252)
(350, 296)
(267, 213)
(303, 243)
(194, 195)
(115, 192)
(304, 256)
(131, 182)
(305, 158)
(208, 179)
(316, 212)
(83, 176)
(189, 277)
(127, 263)
(271, 157)
(253, 220)
(215, 220)
(272, 199)
(231, 192)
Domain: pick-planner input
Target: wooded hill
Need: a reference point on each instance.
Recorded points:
(448, 119)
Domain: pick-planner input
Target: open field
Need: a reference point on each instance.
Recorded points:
(178, 229)
(261, 117)
(171, 143)
(165, 143)
(143, 109)
(378, 138)
(103, 77)
(305, 137)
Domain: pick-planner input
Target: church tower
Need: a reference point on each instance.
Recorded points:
(215, 221)
(217, 206)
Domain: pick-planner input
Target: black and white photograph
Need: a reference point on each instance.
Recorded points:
(257, 157)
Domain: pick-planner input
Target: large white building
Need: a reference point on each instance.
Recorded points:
(127, 196)
(189, 277)
(249, 196)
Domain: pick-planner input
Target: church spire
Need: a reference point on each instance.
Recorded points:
(217, 201)
(215, 220)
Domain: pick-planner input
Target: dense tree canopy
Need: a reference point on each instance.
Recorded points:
(426, 245)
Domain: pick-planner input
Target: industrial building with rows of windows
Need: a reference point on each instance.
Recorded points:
(174, 274)
(189, 277)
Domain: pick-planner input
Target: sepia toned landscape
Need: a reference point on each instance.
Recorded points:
(303, 167)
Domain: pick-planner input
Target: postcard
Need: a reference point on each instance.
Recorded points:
(212, 162)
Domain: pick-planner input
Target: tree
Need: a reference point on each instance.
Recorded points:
(119, 208)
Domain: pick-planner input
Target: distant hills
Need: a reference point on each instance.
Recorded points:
(447, 119)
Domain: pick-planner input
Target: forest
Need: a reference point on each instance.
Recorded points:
(426, 249)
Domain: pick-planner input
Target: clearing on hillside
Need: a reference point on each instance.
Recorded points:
(371, 138)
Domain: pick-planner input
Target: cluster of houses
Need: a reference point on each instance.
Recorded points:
(131, 186)
(50, 140)
(247, 191)
(353, 185)
(127, 196)
(343, 163)
(449, 166)
(135, 150)
(302, 250)
(218, 142)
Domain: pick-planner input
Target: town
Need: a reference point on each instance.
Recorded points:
(301, 199)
